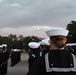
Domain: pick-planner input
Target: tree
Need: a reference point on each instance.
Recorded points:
(12, 37)
(71, 27)
(20, 37)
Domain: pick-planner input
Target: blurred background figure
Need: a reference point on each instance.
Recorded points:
(34, 52)
(15, 56)
(44, 46)
(4, 56)
(71, 47)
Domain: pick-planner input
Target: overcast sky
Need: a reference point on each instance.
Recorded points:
(24, 17)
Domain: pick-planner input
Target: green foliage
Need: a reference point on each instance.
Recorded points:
(20, 42)
(71, 27)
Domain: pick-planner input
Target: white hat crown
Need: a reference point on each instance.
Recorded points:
(4, 45)
(45, 41)
(57, 32)
(33, 45)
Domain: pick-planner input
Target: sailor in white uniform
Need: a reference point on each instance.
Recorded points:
(57, 59)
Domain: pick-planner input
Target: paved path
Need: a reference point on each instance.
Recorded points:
(19, 69)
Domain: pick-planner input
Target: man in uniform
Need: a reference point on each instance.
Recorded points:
(34, 53)
(44, 46)
(58, 59)
(6, 57)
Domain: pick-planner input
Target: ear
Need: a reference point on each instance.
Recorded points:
(50, 41)
(66, 39)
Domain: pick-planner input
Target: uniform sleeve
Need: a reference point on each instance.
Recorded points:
(31, 61)
(35, 69)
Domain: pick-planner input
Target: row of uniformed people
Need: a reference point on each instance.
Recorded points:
(4, 56)
(71, 47)
(57, 59)
(37, 49)
(15, 56)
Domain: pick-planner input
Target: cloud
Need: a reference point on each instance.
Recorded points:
(26, 13)
(26, 31)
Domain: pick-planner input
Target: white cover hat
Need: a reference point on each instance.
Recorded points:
(4, 45)
(57, 32)
(33, 45)
(1, 46)
(45, 41)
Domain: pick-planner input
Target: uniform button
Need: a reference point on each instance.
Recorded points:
(71, 65)
(51, 64)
